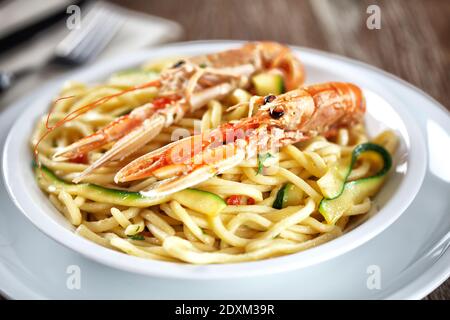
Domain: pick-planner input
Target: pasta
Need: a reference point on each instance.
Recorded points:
(168, 231)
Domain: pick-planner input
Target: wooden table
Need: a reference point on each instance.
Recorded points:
(413, 42)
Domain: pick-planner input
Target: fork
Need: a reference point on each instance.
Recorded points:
(81, 45)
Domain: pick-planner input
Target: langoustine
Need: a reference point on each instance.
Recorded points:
(186, 87)
(280, 120)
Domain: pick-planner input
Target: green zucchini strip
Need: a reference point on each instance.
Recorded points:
(354, 192)
(50, 182)
(201, 201)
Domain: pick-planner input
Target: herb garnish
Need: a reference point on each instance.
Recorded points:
(261, 159)
(136, 237)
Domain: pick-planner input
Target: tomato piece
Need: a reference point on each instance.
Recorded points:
(234, 200)
(80, 158)
(146, 234)
(238, 200)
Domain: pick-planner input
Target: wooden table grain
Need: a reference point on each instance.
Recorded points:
(412, 43)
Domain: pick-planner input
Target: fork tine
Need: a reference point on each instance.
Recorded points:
(100, 26)
(73, 39)
(89, 48)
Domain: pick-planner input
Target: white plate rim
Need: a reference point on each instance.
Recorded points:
(195, 272)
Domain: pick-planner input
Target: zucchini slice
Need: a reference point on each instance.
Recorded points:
(268, 83)
(288, 195)
(198, 200)
(202, 201)
(47, 180)
(132, 77)
(332, 182)
(347, 194)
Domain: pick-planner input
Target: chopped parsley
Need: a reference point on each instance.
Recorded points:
(136, 237)
(261, 159)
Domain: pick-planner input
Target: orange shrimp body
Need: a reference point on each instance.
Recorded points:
(280, 120)
(187, 86)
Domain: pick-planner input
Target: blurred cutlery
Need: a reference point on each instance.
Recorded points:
(81, 45)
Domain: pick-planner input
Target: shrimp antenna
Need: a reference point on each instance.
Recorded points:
(80, 111)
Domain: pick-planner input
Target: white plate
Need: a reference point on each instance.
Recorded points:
(411, 254)
(385, 110)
